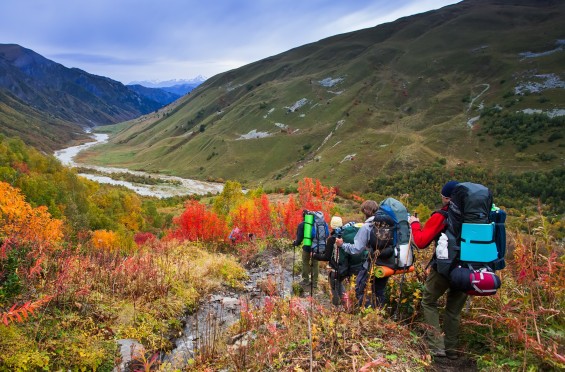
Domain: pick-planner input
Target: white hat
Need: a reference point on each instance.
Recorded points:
(336, 222)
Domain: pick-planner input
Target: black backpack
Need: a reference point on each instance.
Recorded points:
(476, 241)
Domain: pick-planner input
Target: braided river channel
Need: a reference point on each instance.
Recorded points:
(169, 185)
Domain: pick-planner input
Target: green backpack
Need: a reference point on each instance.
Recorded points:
(344, 263)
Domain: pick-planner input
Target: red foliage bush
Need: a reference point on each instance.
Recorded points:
(197, 223)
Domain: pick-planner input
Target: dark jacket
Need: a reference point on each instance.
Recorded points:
(300, 237)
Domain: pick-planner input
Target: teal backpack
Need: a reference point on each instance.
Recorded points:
(344, 263)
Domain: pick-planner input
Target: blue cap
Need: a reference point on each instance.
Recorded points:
(448, 188)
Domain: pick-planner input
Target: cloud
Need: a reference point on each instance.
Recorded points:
(131, 40)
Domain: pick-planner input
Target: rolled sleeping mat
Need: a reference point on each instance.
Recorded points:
(384, 271)
(308, 223)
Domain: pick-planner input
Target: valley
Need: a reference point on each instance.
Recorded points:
(169, 239)
(168, 187)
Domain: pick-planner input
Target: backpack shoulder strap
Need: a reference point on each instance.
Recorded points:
(442, 212)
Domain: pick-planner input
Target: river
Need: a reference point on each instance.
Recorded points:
(177, 186)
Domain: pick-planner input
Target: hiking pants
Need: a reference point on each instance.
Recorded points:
(307, 261)
(338, 289)
(436, 285)
(375, 297)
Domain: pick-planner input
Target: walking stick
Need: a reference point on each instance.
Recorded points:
(311, 273)
(293, 258)
(335, 279)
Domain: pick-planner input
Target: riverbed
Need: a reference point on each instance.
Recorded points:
(172, 186)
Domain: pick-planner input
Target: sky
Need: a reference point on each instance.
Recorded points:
(160, 40)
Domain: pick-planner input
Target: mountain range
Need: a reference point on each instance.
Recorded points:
(478, 83)
(48, 104)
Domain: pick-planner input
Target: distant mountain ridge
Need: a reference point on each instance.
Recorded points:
(179, 87)
(161, 95)
(447, 87)
(59, 97)
(169, 83)
(68, 93)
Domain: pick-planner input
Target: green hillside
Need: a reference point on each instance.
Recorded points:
(372, 102)
(35, 127)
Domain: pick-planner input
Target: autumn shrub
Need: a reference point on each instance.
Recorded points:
(104, 240)
(316, 197)
(27, 236)
(27, 225)
(197, 223)
(142, 238)
(297, 334)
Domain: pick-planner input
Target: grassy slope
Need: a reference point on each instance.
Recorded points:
(404, 102)
(34, 127)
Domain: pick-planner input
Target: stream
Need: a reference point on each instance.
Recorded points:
(222, 309)
(173, 186)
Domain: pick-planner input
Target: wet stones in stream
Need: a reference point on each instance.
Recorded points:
(268, 275)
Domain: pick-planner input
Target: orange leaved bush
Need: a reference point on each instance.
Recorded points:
(316, 197)
(19, 221)
(254, 216)
(291, 215)
(104, 240)
(21, 313)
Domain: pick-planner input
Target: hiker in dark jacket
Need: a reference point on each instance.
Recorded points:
(310, 266)
(361, 242)
(436, 284)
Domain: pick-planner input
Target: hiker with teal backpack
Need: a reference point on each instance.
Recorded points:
(361, 244)
(436, 284)
(470, 240)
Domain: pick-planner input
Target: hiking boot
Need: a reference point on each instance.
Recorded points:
(452, 354)
(304, 283)
(439, 353)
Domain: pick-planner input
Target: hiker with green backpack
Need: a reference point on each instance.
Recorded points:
(361, 244)
(343, 265)
(336, 283)
(312, 233)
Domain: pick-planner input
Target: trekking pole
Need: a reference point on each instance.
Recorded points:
(293, 258)
(335, 279)
(311, 273)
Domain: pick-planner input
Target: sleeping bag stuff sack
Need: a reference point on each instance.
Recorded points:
(474, 282)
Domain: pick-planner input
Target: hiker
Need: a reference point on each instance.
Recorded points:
(361, 243)
(235, 235)
(335, 280)
(436, 284)
(310, 266)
